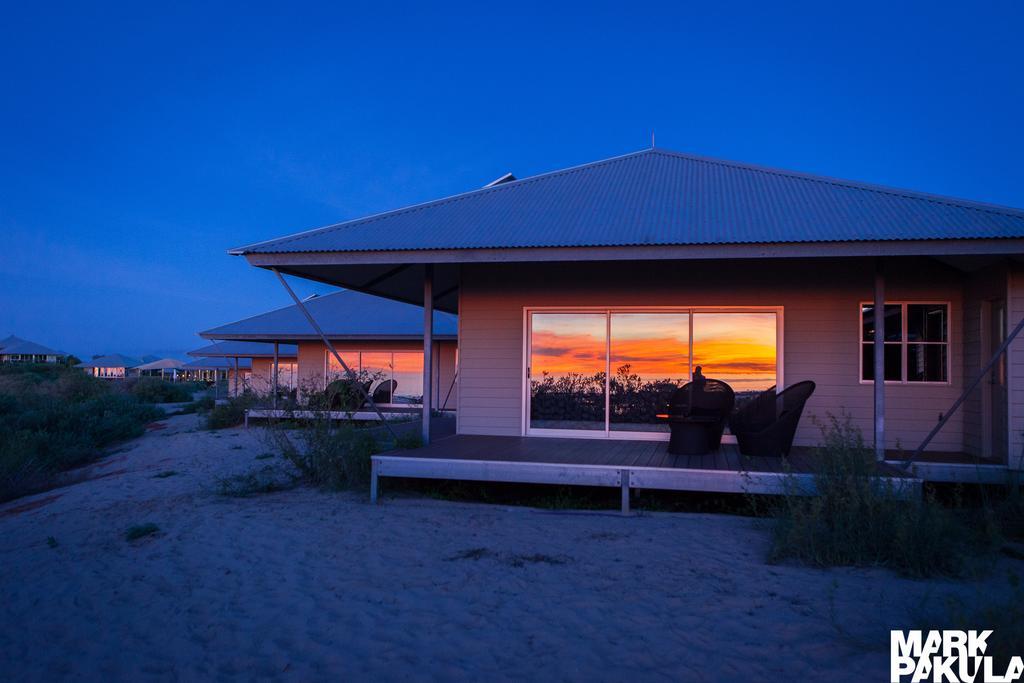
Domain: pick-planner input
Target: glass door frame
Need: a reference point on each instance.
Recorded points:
(609, 311)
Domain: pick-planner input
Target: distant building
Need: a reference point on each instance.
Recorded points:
(215, 369)
(165, 368)
(379, 339)
(250, 364)
(114, 366)
(17, 350)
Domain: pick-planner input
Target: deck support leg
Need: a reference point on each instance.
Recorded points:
(373, 482)
(624, 482)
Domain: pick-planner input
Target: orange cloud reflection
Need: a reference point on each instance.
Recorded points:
(737, 348)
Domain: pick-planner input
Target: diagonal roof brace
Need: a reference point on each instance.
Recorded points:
(334, 352)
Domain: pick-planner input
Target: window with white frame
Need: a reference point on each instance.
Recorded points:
(611, 371)
(395, 377)
(916, 342)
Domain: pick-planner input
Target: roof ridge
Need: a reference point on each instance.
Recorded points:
(443, 200)
(912, 200)
(864, 186)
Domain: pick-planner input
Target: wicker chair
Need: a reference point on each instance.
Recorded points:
(385, 391)
(766, 424)
(702, 398)
(345, 395)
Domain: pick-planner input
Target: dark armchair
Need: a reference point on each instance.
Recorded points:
(385, 391)
(346, 395)
(703, 404)
(766, 424)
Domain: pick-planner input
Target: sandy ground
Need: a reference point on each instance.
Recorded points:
(304, 585)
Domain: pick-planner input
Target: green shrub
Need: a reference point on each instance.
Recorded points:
(230, 413)
(156, 390)
(201, 405)
(335, 456)
(861, 520)
(53, 418)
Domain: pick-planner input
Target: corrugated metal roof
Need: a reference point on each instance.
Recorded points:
(17, 346)
(344, 314)
(162, 364)
(656, 197)
(244, 349)
(114, 360)
(217, 363)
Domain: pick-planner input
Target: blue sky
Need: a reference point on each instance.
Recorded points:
(139, 143)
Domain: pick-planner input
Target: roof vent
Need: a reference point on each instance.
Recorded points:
(507, 178)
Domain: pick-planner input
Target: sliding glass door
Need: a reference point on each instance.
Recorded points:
(610, 372)
(650, 359)
(568, 371)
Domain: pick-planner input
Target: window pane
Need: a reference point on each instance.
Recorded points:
(408, 378)
(893, 362)
(375, 369)
(650, 360)
(893, 323)
(287, 375)
(567, 370)
(927, 322)
(334, 369)
(737, 348)
(926, 362)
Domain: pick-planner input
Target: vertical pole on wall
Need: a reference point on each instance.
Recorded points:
(236, 375)
(274, 399)
(878, 316)
(428, 346)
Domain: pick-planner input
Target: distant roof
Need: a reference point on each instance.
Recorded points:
(342, 315)
(162, 364)
(17, 346)
(245, 349)
(114, 360)
(217, 363)
(656, 197)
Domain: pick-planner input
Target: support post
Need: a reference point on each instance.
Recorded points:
(274, 389)
(428, 347)
(334, 352)
(236, 376)
(373, 481)
(624, 482)
(879, 361)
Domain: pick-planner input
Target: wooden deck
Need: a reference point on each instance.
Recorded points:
(605, 462)
(362, 415)
(959, 468)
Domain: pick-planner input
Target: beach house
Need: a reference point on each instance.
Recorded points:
(246, 364)
(378, 338)
(112, 366)
(17, 350)
(586, 296)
